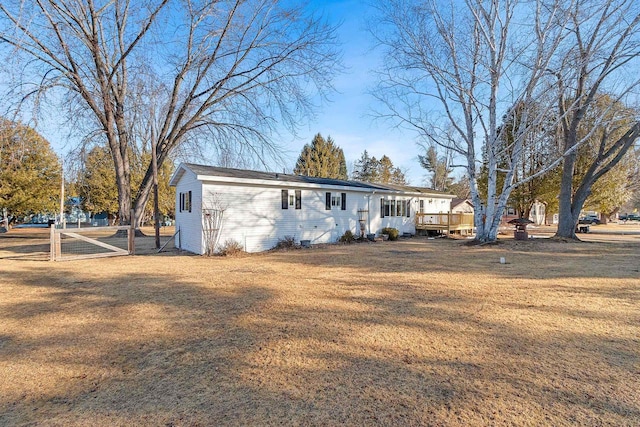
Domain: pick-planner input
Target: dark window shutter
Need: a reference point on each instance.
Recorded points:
(343, 206)
(181, 202)
(381, 208)
(189, 201)
(327, 204)
(408, 202)
(298, 199)
(285, 199)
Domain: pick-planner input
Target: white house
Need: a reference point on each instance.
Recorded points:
(257, 209)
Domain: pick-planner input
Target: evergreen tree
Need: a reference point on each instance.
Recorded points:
(388, 173)
(322, 158)
(30, 172)
(365, 168)
(439, 167)
(369, 169)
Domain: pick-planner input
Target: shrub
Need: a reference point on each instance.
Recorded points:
(287, 242)
(347, 237)
(392, 232)
(231, 247)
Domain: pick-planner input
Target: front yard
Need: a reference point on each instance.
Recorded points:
(414, 332)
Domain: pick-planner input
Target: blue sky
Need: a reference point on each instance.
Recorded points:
(347, 117)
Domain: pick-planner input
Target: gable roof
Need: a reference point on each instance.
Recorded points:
(458, 201)
(212, 173)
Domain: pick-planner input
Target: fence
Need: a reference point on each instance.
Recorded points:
(94, 242)
(444, 221)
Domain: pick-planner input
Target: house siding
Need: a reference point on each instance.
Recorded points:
(189, 223)
(254, 215)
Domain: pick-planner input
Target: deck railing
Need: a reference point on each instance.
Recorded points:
(444, 220)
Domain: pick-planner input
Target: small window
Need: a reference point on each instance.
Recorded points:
(399, 207)
(393, 208)
(421, 206)
(292, 200)
(187, 201)
(387, 208)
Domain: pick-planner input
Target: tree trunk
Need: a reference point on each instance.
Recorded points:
(567, 218)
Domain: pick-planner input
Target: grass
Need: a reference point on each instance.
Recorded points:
(414, 332)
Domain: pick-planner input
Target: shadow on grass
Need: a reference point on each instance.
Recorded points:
(187, 349)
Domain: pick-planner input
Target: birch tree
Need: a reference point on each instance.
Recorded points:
(461, 66)
(220, 75)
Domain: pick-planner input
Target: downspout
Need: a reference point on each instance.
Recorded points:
(369, 211)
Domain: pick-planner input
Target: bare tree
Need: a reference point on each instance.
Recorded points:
(219, 74)
(601, 55)
(212, 221)
(464, 65)
(457, 65)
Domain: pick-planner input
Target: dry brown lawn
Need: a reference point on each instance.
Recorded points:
(415, 332)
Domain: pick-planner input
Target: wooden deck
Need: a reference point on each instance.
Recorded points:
(444, 222)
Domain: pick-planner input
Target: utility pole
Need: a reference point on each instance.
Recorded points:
(62, 218)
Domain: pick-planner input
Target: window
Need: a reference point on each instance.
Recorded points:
(337, 200)
(393, 208)
(292, 200)
(400, 207)
(185, 202)
(421, 206)
(285, 199)
(387, 210)
(298, 199)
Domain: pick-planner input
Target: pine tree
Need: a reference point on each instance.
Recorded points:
(439, 167)
(322, 158)
(365, 168)
(369, 169)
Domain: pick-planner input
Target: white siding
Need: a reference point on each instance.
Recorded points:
(189, 223)
(254, 216)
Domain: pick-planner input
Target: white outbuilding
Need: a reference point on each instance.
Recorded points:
(257, 209)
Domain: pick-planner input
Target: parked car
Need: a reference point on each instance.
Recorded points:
(589, 219)
(629, 217)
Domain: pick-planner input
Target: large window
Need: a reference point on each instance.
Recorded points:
(394, 208)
